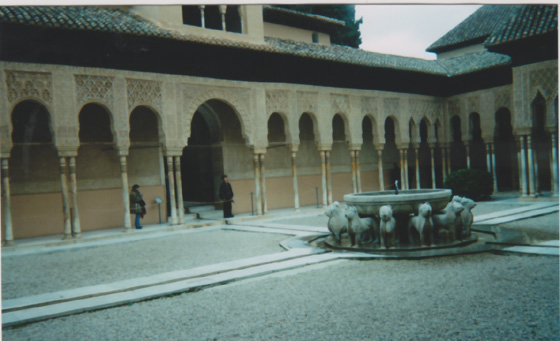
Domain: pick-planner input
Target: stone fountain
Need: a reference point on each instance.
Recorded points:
(400, 220)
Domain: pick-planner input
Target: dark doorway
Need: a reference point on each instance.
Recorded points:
(541, 144)
(477, 150)
(505, 152)
(458, 157)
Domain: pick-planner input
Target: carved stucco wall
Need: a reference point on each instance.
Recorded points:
(528, 80)
(238, 98)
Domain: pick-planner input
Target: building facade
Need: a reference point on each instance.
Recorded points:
(96, 99)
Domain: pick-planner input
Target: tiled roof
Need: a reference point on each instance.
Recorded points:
(530, 21)
(119, 21)
(476, 28)
(497, 24)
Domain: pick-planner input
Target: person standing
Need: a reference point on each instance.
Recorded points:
(137, 205)
(226, 195)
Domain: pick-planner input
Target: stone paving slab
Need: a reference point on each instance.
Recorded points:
(143, 293)
(517, 216)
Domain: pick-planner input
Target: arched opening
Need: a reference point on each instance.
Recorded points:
(477, 151)
(541, 144)
(439, 154)
(340, 160)
(412, 152)
(458, 157)
(308, 162)
(278, 164)
(505, 152)
(391, 158)
(36, 202)
(145, 159)
(368, 158)
(98, 171)
(424, 157)
(215, 147)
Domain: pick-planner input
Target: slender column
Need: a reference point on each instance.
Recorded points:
(295, 182)
(77, 230)
(523, 176)
(443, 168)
(179, 184)
(433, 167)
(489, 159)
(65, 205)
(417, 168)
(324, 177)
(263, 184)
(531, 161)
(468, 157)
(402, 185)
(494, 173)
(519, 164)
(223, 15)
(202, 22)
(6, 197)
(358, 174)
(448, 160)
(380, 169)
(329, 180)
(171, 182)
(353, 167)
(554, 166)
(406, 184)
(125, 195)
(257, 171)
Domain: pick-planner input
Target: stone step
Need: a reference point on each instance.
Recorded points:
(212, 215)
(200, 209)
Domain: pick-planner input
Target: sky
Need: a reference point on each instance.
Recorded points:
(408, 30)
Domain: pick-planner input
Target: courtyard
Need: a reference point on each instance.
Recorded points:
(253, 279)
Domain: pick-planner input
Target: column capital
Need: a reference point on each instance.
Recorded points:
(259, 149)
(172, 151)
(294, 148)
(354, 146)
(70, 152)
(379, 146)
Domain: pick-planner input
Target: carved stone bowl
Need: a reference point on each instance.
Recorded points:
(404, 203)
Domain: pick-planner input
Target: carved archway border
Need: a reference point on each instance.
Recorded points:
(236, 98)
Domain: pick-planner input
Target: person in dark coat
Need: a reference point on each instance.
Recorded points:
(226, 195)
(137, 205)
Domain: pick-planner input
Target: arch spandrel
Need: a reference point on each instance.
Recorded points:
(236, 98)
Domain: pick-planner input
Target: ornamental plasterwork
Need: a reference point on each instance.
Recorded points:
(97, 88)
(66, 136)
(369, 106)
(420, 109)
(340, 103)
(21, 84)
(502, 99)
(545, 79)
(277, 101)
(454, 108)
(238, 98)
(143, 92)
(473, 104)
(391, 106)
(307, 102)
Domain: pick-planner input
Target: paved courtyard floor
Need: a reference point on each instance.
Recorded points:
(491, 295)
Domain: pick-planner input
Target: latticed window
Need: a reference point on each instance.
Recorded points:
(216, 17)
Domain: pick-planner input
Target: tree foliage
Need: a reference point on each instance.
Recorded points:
(350, 34)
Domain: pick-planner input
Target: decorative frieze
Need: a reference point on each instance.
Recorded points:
(307, 102)
(391, 106)
(502, 99)
(428, 109)
(369, 106)
(340, 103)
(454, 107)
(546, 80)
(277, 101)
(21, 84)
(143, 92)
(473, 104)
(94, 88)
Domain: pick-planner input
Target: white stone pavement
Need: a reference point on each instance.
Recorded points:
(298, 254)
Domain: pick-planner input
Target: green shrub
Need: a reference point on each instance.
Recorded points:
(475, 184)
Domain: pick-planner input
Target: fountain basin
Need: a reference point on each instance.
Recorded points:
(404, 203)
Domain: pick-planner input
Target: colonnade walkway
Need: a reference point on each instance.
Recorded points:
(294, 230)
